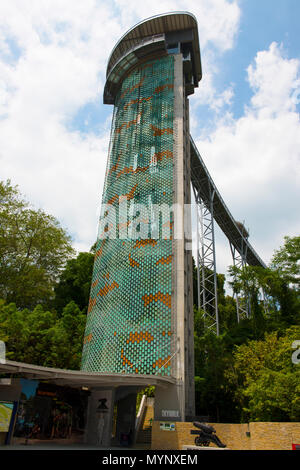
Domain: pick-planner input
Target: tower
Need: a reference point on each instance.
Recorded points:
(140, 315)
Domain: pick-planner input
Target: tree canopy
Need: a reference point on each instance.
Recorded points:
(40, 337)
(245, 373)
(266, 379)
(286, 260)
(33, 250)
(75, 282)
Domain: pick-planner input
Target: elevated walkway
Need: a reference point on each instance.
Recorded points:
(205, 186)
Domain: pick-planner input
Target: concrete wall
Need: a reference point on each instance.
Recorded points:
(148, 416)
(182, 276)
(11, 392)
(126, 416)
(99, 421)
(263, 436)
(274, 435)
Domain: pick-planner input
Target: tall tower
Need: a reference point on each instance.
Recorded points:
(140, 315)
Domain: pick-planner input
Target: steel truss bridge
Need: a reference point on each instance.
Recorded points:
(210, 207)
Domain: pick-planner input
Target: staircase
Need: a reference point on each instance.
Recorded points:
(145, 423)
(144, 436)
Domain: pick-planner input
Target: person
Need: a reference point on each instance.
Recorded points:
(64, 425)
(34, 431)
(130, 437)
(55, 423)
(69, 423)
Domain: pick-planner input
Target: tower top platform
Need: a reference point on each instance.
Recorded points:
(168, 33)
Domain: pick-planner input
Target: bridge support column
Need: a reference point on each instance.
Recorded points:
(239, 261)
(206, 261)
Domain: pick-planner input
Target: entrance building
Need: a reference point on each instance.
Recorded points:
(38, 404)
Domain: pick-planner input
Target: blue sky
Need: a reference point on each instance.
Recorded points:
(261, 23)
(54, 129)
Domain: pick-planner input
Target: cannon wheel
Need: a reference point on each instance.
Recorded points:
(199, 442)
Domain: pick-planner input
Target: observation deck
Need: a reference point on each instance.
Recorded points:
(168, 33)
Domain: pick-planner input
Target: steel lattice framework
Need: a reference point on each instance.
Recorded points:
(243, 307)
(206, 262)
(210, 207)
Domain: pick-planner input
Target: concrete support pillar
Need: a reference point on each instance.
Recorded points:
(126, 416)
(183, 277)
(188, 276)
(100, 417)
(168, 401)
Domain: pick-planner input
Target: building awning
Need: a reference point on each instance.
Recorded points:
(78, 379)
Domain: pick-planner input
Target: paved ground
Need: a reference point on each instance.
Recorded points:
(62, 444)
(61, 447)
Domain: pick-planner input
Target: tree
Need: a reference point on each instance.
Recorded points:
(42, 337)
(214, 397)
(75, 282)
(287, 260)
(266, 379)
(68, 338)
(281, 304)
(232, 383)
(33, 250)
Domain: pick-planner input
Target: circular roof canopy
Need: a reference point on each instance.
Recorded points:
(158, 29)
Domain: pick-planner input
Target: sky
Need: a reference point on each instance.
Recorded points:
(244, 117)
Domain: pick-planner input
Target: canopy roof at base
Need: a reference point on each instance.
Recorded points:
(78, 379)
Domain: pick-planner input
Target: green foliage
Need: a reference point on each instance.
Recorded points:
(213, 393)
(148, 391)
(268, 383)
(286, 260)
(227, 314)
(38, 337)
(281, 304)
(246, 373)
(75, 282)
(33, 249)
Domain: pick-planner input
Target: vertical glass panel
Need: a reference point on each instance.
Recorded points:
(128, 326)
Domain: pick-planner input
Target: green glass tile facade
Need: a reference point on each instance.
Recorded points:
(129, 322)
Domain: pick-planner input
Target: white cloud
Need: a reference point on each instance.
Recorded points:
(274, 79)
(217, 19)
(207, 94)
(218, 23)
(62, 49)
(61, 68)
(255, 160)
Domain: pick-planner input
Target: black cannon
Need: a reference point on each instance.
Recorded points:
(205, 435)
